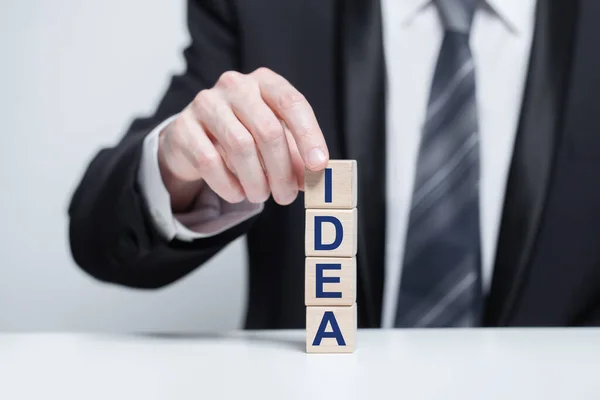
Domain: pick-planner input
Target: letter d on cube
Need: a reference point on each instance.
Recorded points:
(331, 233)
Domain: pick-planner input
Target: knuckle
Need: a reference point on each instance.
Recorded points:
(177, 131)
(207, 160)
(286, 181)
(240, 144)
(262, 71)
(230, 79)
(203, 101)
(269, 130)
(247, 92)
(290, 99)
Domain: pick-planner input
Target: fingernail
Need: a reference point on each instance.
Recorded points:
(316, 157)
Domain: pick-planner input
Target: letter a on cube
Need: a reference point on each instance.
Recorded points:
(331, 329)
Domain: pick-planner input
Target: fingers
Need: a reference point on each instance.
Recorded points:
(250, 135)
(271, 140)
(297, 162)
(291, 106)
(191, 155)
(242, 154)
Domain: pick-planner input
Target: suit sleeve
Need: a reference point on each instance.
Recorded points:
(111, 233)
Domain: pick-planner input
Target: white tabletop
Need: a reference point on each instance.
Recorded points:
(416, 364)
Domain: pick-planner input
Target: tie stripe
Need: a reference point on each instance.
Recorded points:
(446, 171)
(441, 278)
(442, 295)
(445, 302)
(439, 220)
(441, 100)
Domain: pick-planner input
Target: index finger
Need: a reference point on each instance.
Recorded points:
(293, 108)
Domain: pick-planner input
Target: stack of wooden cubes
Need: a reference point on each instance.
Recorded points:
(331, 244)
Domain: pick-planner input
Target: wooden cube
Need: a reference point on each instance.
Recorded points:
(330, 281)
(331, 233)
(333, 187)
(331, 329)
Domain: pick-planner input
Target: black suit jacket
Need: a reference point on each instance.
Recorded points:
(547, 269)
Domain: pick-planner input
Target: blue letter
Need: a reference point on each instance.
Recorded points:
(339, 233)
(328, 185)
(335, 333)
(327, 279)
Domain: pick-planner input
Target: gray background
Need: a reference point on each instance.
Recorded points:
(72, 76)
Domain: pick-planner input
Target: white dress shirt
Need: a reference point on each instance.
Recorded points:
(501, 39)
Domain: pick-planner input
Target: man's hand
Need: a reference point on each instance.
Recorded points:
(247, 137)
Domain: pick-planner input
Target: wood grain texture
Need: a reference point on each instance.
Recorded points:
(343, 186)
(346, 317)
(346, 286)
(329, 233)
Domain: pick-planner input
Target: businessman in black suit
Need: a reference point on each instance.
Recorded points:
(272, 87)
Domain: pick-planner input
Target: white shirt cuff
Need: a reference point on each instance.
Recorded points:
(210, 215)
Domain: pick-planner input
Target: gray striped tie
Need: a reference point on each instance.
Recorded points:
(441, 276)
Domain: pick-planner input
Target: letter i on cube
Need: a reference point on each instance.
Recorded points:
(331, 244)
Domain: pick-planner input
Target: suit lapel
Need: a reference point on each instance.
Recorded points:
(535, 147)
(363, 124)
